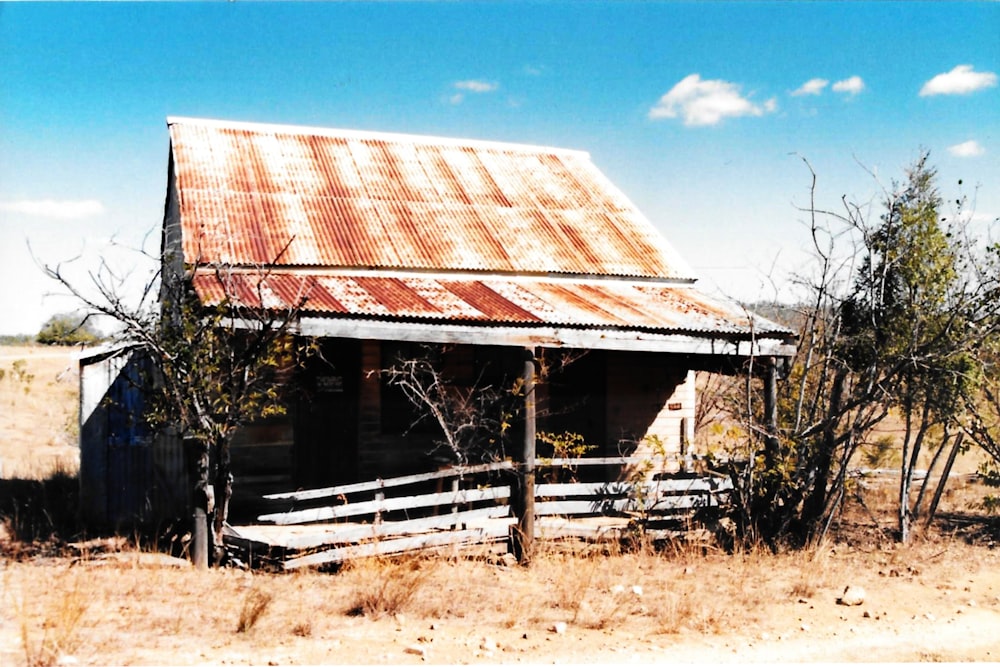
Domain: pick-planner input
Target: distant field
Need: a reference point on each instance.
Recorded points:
(39, 397)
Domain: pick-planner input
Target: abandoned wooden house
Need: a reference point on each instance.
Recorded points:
(490, 251)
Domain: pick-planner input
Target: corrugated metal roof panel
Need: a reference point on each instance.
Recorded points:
(336, 198)
(508, 301)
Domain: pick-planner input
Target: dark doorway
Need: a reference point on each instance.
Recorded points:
(326, 430)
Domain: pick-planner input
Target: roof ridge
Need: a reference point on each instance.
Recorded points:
(371, 134)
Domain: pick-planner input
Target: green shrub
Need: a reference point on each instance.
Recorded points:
(68, 329)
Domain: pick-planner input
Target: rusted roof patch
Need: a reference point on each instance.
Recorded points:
(341, 198)
(615, 304)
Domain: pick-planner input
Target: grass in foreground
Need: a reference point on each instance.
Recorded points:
(120, 610)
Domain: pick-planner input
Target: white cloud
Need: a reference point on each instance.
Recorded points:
(811, 87)
(960, 81)
(456, 98)
(48, 208)
(476, 86)
(969, 148)
(852, 85)
(706, 102)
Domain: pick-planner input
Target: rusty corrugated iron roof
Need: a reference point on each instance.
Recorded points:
(488, 300)
(402, 229)
(262, 194)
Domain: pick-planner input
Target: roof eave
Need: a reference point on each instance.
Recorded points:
(710, 344)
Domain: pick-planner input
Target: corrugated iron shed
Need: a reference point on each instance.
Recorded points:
(431, 231)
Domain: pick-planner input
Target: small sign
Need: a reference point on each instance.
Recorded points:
(674, 406)
(330, 384)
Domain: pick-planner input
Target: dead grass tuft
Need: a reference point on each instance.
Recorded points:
(386, 586)
(52, 632)
(255, 603)
(302, 629)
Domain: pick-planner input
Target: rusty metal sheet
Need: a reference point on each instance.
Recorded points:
(496, 301)
(251, 195)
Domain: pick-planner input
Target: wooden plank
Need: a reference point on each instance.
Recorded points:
(605, 506)
(587, 338)
(609, 460)
(393, 528)
(583, 531)
(594, 489)
(385, 505)
(577, 507)
(386, 547)
(345, 489)
(663, 486)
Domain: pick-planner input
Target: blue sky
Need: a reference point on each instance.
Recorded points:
(697, 111)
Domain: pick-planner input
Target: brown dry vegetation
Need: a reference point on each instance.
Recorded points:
(39, 387)
(108, 602)
(938, 599)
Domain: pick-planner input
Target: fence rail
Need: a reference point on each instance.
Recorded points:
(363, 521)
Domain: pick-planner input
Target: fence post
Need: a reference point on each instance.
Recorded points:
(523, 534)
(379, 499)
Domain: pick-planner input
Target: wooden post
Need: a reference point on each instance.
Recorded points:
(379, 499)
(202, 497)
(523, 534)
(199, 539)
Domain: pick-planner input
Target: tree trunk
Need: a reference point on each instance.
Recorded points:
(906, 514)
(932, 510)
(927, 479)
(771, 443)
(903, 513)
(815, 503)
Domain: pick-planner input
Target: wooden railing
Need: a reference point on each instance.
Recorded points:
(386, 516)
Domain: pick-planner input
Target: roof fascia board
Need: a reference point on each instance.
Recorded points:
(552, 337)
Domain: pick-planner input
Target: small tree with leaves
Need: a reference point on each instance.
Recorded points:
(905, 323)
(216, 365)
(897, 316)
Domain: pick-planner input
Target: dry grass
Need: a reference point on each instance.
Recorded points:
(255, 603)
(122, 611)
(61, 607)
(386, 586)
(39, 387)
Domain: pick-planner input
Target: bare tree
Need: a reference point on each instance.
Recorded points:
(474, 419)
